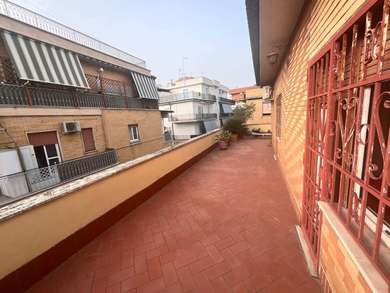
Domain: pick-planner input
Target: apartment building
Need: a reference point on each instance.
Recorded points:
(260, 98)
(328, 64)
(68, 98)
(197, 104)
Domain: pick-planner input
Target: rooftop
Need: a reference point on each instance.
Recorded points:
(43, 23)
(203, 232)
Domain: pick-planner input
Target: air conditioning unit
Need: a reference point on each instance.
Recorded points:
(71, 126)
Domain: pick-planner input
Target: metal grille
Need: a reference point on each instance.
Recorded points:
(40, 96)
(278, 115)
(347, 149)
(192, 116)
(39, 179)
(7, 71)
(106, 85)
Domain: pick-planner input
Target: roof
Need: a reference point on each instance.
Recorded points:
(242, 89)
(271, 25)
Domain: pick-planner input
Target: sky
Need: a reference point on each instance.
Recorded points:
(210, 37)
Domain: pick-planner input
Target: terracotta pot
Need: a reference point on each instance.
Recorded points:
(234, 137)
(223, 145)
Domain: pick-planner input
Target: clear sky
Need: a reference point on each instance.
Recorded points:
(211, 34)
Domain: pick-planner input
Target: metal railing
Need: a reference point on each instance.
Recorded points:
(34, 180)
(41, 22)
(193, 117)
(16, 95)
(186, 96)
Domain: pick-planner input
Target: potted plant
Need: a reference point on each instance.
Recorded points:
(223, 139)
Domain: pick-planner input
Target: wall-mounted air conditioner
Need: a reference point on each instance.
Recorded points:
(71, 126)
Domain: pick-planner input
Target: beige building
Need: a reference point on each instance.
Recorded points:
(328, 64)
(254, 95)
(66, 97)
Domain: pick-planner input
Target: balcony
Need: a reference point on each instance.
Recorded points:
(192, 117)
(226, 224)
(36, 180)
(15, 95)
(173, 98)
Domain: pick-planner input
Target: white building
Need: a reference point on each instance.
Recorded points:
(198, 105)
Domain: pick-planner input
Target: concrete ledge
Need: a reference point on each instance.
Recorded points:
(310, 264)
(35, 200)
(370, 274)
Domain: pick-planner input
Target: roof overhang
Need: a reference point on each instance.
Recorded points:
(271, 25)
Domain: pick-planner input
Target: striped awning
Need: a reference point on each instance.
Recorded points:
(146, 85)
(37, 61)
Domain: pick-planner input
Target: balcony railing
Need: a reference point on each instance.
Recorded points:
(41, 22)
(193, 117)
(187, 96)
(34, 180)
(15, 95)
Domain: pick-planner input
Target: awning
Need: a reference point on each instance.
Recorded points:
(210, 125)
(37, 61)
(146, 86)
(227, 109)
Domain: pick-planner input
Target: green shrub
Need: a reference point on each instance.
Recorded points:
(235, 126)
(243, 111)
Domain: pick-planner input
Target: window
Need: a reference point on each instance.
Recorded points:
(348, 133)
(89, 142)
(134, 133)
(46, 148)
(267, 108)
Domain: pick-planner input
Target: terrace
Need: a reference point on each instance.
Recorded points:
(226, 224)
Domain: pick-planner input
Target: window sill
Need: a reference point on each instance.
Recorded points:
(90, 152)
(370, 274)
(135, 142)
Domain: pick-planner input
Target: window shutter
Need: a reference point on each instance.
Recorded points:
(89, 142)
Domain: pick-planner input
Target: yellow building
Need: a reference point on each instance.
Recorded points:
(108, 96)
(328, 64)
(254, 95)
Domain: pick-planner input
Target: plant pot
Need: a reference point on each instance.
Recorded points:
(223, 145)
(234, 137)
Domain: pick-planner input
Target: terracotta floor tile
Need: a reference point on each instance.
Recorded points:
(169, 273)
(226, 223)
(201, 264)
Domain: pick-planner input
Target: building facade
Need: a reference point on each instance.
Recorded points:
(65, 96)
(329, 71)
(197, 105)
(257, 96)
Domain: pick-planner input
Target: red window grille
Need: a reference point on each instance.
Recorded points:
(347, 147)
(278, 107)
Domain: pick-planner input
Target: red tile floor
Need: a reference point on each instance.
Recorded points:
(224, 225)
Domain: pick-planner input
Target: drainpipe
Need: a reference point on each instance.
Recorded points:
(218, 111)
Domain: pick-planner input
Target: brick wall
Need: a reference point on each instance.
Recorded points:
(317, 25)
(258, 120)
(150, 129)
(339, 271)
(71, 144)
